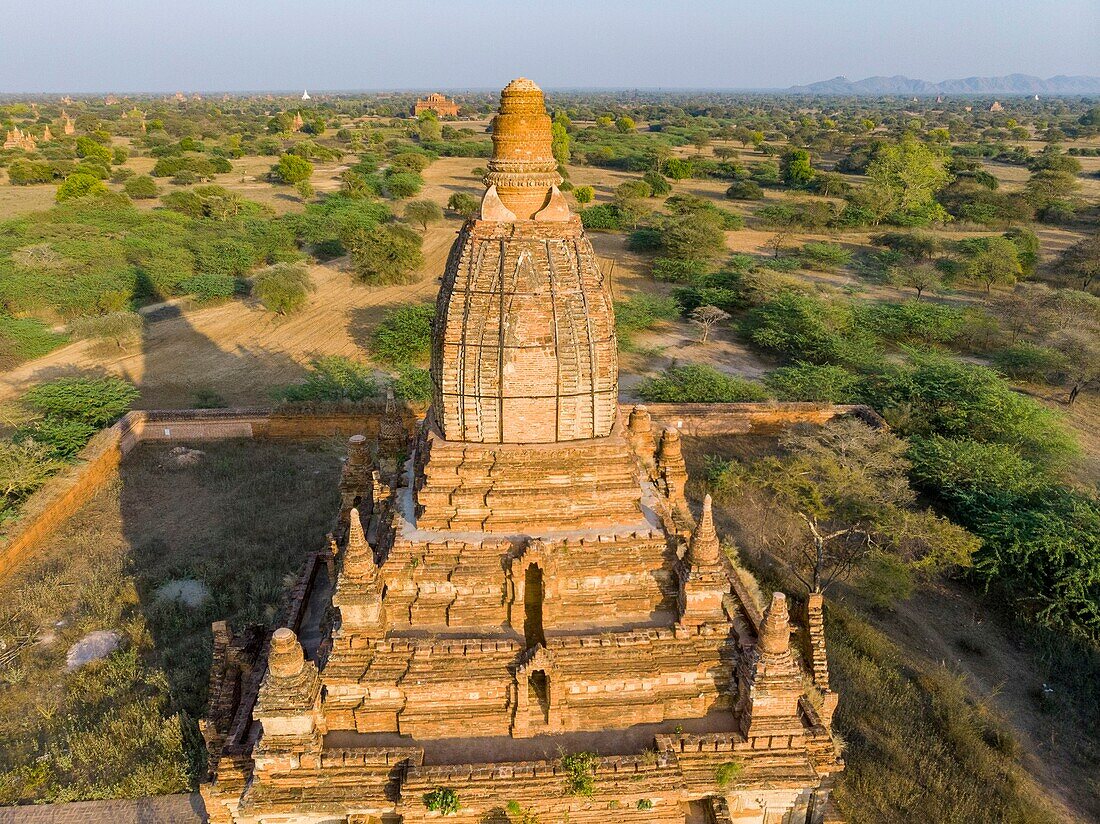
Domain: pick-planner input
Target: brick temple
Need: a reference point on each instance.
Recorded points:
(438, 103)
(520, 581)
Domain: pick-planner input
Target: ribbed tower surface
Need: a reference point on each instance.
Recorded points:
(524, 347)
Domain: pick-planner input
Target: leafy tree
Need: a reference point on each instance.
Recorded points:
(1081, 261)
(282, 288)
(404, 335)
(814, 382)
(678, 169)
(560, 140)
(584, 194)
(795, 168)
(80, 185)
(141, 187)
(934, 394)
(413, 384)
(291, 169)
(629, 199)
(745, 190)
(429, 127)
(624, 124)
(836, 499)
(385, 254)
(401, 185)
(464, 205)
(658, 186)
(921, 278)
(907, 175)
(1041, 540)
(90, 148)
(26, 172)
(423, 212)
(996, 261)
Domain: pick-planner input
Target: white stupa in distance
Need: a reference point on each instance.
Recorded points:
(305, 95)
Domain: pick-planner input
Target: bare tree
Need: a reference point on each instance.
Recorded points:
(707, 317)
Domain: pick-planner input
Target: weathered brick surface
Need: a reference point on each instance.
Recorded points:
(166, 809)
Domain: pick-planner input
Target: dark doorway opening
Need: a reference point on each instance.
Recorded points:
(532, 607)
(538, 686)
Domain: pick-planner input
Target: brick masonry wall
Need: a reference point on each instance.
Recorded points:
(98, 462)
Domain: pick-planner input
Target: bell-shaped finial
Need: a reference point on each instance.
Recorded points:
(523, 169)
(287, 658)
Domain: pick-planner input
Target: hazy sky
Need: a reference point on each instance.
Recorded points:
(159, 45)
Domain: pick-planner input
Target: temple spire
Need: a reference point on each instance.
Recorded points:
(359, 557)
(705, 548)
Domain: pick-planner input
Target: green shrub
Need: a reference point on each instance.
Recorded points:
(97, 401)
(727, 773)
(1040, 540)
(333, 379)
(825, 256)
(809, 328)
(1029, 362)
(282, 288)
(140, 187)
(603, 217)
(442, 800)
(63, 436)
(814, 382)
(644, 804)
(209, 288)
(24, 466)
(413, 384)
(28, 172)
(912, 321)
(404, 335)
(673, 270)
(640, 312)
(400, 185)
(79, 184)
(934, 394)
(696, 383)
(580, 773)
(119, 328)
(745, 190)
(385, 254)
(290, 169)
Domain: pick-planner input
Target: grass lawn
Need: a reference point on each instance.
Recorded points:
(236, 526)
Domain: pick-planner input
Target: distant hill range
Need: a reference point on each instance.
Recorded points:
(1007, 85)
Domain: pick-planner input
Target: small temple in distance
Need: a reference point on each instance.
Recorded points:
(517, 616)
(438, 103)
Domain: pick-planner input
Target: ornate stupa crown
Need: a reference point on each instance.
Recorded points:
(523, 174)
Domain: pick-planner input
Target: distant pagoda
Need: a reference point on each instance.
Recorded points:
(521, 585)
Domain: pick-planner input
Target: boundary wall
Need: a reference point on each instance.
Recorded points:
(97, 463)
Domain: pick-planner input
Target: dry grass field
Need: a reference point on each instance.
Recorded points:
(232, 529)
